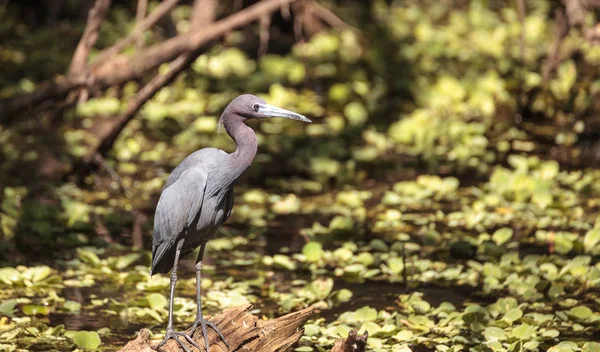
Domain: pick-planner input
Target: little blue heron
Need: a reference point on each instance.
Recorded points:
(198, 198)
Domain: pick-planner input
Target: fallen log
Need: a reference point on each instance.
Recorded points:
(242, 330)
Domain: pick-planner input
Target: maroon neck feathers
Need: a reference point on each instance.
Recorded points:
(245, 138)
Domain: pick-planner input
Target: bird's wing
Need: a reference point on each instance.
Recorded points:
(179, 204)
(228, 204)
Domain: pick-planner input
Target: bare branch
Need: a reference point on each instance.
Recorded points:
(575, 12)
(265, 23)
(59, 87)
(142, 8)
(204, 12)
(327, 16)
(124, 68)
(96, 16)
(552, 60)
(146, 93)
(161, 10)
(159, 81)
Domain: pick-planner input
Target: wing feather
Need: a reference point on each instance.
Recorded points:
(179, 205)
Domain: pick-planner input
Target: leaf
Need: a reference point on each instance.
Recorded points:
(523, 331)
(365, 258)
(87, 340)
(9, 275)
(365, 314)
(404, 335)
(342, 254)
(87, 256)
(503, 235)
(311, 329)
(591, 239)
(356, 113)
(580, 312)
(37, 274)
(72, 306)
(284, 261)
(313, 251)
(156, 301)
(344, 295)
(378, 245)
(321, 288)
(127, 260)
(512, 315)
(564, 346)
(32, 309)
(591, 347)
(370, 327)
(8, 307)
(396, 265)
(493, 333)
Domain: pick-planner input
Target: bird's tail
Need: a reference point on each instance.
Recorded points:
(163, 257)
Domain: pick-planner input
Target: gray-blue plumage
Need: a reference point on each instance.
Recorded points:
(198, 197)
(196, 200)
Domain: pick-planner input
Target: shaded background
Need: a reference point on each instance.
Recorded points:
(463, 132)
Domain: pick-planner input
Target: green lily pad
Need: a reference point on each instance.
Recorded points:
(503, 235)
(33, 309)
(313, 251)
(580, 312)
(157, 301)
(86, 340)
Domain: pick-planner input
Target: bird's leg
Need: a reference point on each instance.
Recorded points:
(171, 334)
(199, 318)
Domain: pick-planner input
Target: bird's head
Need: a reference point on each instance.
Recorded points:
(249, 106)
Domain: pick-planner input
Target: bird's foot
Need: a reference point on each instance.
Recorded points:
(204, 323)
(175, 336)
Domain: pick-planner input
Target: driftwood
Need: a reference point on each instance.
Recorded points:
(353, 343)
(243, 331)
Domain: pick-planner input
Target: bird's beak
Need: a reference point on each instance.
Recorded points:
(273, 111)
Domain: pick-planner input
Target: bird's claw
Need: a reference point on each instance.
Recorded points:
(204, 323)
(175, 336)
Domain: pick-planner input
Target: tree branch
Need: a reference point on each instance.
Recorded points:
(198, 19)
(160, 11)
(96, 16)
(145, 94)
(140, 14)
(204, 12)
(327, 16)
(123, 68)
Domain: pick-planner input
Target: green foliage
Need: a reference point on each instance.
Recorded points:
(509, 238)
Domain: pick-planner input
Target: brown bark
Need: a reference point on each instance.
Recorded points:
(159, 12)
(204, 12)
(90, 34)
(198, 19)
(353, 343)
(145, 94)
(122, 68)
(553, 59)
(242, 330)
(575, 12)
(140, 14)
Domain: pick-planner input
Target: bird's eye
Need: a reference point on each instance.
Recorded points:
(256, 107)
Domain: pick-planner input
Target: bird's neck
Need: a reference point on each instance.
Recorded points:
(245, 138)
